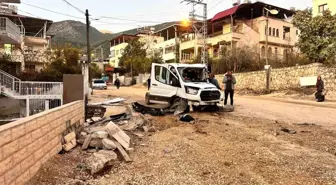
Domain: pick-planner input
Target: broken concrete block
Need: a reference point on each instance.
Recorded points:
(116, 133)
(83, 134)
(109, 144)
(95, 119)
(123, 152)
(152, 129)
(70, 145)
(86, 142)
(69, 137)
(145, 128)
(100, 134)
(96, 143)
(98, 161)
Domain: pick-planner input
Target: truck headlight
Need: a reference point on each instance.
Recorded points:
(191, 90)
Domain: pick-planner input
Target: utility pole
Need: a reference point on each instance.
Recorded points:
(88, 44)
(204, 28)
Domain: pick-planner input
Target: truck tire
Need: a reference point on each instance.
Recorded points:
(147, 99)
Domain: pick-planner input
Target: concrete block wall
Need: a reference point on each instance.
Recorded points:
(286, 78)
(28, 143)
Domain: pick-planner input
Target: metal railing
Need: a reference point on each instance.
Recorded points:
(41, 88)
(27, 88)
(7, 26)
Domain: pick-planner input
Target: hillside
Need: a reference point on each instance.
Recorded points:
(74, 32)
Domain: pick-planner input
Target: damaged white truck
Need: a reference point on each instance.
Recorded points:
(173, 82)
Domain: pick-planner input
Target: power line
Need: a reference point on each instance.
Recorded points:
(52, 11)
(130, 20)
(67, 2)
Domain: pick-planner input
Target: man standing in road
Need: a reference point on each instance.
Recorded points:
(229, 82)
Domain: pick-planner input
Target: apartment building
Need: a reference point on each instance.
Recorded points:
(245, 25)
(23, 39)
(118, 45)
(319, 6)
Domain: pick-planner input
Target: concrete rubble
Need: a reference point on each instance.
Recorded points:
(104, 137)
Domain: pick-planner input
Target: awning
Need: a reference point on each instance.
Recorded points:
(225, 13)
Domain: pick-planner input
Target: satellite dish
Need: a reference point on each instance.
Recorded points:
(274, 12)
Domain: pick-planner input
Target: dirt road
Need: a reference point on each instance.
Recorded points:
(323, 114)
(245, 147)
(249, 146)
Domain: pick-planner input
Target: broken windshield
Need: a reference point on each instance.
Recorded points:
(191, 74)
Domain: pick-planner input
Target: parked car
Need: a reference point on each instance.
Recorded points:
(99, 84)
(171, 82)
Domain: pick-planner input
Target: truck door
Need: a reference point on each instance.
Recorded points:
(164, 84)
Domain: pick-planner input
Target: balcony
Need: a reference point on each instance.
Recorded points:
(35, 40)
(9, 32)
(35, 57)
(285, 40)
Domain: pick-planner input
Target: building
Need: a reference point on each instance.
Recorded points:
(245, 25)
(242, 25)
(118, 45)
(23, 39)
(319, 6)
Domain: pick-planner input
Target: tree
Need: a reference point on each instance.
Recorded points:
(135, 60)
(134, 57)
(318, 35)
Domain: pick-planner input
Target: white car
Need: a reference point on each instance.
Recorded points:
(182, 81)
(99, 84)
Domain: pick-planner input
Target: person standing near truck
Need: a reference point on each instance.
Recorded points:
(229, 82)
(214, 81)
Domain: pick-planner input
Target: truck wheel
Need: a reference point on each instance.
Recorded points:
(147, 99)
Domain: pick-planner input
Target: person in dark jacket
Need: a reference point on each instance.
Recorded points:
(214, 81)
(117, 83)
(229, 82)
(319, 96)
(149, 82)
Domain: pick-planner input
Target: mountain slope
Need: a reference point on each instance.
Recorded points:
(74, 32)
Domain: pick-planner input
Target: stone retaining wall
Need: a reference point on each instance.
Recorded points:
(286, 78)
(28, 143)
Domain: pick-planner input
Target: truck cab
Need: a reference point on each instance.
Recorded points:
(182, 81)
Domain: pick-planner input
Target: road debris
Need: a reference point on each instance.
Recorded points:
(70, 141)
(99, 160)
(110, 102)
(187, 118)
(288, 131)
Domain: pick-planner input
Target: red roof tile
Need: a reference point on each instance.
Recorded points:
(225, 13)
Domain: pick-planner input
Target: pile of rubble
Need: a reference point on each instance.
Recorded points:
(104, 137)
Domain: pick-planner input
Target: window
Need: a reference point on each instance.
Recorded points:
(112, 53)
(276, 52)
(277, 33)
(323, 8)
(169, 49)
(263, 51)
(274, 32)
(269, 31)
(117, 52)
(269, 52)
(161, 74)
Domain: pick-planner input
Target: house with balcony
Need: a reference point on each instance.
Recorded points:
(170, 42)
(245, 25)
(23, 39)
(319, 6)
(118, 45)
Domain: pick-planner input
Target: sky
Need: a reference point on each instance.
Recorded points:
(107, 14)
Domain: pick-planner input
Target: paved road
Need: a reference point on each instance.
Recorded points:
(268, 108)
